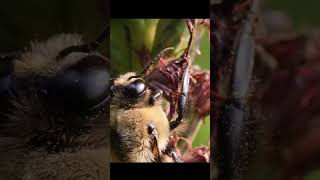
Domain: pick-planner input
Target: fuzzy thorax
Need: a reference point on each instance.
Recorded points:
(131, 129)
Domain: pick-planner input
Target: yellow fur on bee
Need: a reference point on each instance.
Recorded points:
(132, 125)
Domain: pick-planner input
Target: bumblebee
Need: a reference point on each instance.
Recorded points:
(55, 124)
(139, 128)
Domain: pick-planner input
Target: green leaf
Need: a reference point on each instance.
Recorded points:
(203, 136)
(169, 34)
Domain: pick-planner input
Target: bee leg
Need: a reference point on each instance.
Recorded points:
(156, 95)
(153, 141)
(155, 60)
(182, 101)
(172, 154)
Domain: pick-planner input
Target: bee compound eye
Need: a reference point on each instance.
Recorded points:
(135, 89)
(79, 87)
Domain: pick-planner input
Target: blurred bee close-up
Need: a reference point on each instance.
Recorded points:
(54, 123)
(54, 90)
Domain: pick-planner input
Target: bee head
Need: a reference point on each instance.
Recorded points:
(84, 85)
(75, 81)
(128, 90)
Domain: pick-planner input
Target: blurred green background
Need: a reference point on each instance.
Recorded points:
(203, 60)
(305, 14)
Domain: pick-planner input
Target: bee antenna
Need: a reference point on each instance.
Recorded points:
(85, 48)
(154, 60)
(95, 44)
